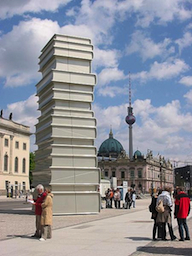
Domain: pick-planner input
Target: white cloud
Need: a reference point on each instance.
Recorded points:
(10, 8)
(20, 49)
(105, 58)
(109, 75)
(143, 108)
(25, 112)
(148, 49)
(98, 15)
(112, 115)
(162, 11)
(186, 80)
(184, 42)
(171, 118)
(189, 26)
(161, 71)
(188, 96)
(112, 91)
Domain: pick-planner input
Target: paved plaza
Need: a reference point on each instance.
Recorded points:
(112, 232)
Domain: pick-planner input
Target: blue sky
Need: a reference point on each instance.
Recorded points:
(151, 39)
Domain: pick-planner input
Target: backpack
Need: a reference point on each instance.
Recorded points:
(160, 208)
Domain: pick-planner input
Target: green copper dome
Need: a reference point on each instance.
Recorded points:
(110, 147)
(138, 155)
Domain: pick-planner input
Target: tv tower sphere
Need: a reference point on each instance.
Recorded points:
(130, 119)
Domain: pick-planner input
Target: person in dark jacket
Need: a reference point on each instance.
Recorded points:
(127, 199)
(38, 209)
(154, 213)
(182, 210)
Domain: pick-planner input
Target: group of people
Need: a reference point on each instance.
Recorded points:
(109, 194)
(181, 211)
(115, 195)
(43, 212)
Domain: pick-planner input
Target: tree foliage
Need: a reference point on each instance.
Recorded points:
(32, 167)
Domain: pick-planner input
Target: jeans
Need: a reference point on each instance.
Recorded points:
(182, 223)
(117, 204)
(155, 226)
(170, 231)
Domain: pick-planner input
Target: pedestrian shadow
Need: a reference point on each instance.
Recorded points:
(19, 212)
(152, 250)
(136, 238)
(20, 236)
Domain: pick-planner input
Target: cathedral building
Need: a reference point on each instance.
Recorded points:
(143, 173)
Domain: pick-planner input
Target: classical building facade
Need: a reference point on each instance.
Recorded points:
(14, 156)
(141, 172)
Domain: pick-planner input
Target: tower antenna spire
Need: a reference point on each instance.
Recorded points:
(130, 120)
(129, 89)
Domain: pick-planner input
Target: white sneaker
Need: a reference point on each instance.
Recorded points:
(41, 239)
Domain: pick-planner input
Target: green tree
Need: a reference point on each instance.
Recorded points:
(32, 167)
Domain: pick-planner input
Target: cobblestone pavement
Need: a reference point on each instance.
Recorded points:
(169, 248)
(22, 222)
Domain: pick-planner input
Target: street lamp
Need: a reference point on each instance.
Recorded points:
(152, 189)
(160, 162)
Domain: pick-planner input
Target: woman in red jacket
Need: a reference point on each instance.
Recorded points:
(38, 209)
(182, 209)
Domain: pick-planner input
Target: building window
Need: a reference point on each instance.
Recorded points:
(106, 173)
(6, 163)
(122, 174)
(6, 142)
(24, 146)
(17, 144)
(132, 174)
(113, 174)
(16, 164)
(16, 186)
(139, 174)
(24, 186)
(24, 165)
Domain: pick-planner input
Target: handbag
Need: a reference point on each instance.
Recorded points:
(150, 208)
(160, 208)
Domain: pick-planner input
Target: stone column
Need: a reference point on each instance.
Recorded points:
(11, 160)
(1, 153)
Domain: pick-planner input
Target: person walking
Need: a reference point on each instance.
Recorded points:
(117, 198)
(38, 210)
(127, 199)
(111, 194)
(133, 198)
(165, 217)
(182, 210)
(107, 198)
(152, 209)
(47, 216)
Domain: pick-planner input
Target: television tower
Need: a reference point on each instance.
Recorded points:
(130, 120)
